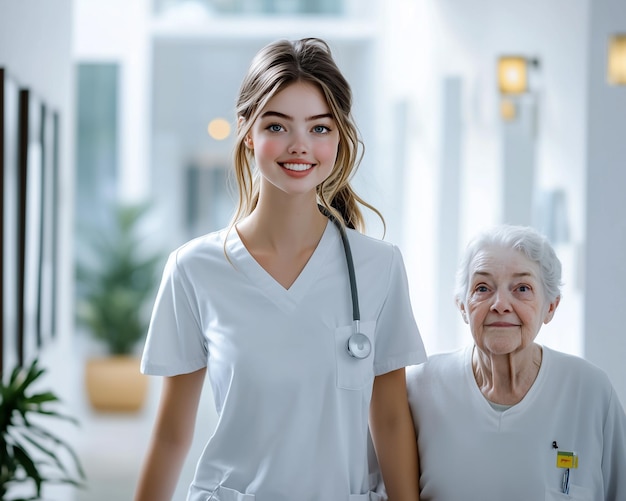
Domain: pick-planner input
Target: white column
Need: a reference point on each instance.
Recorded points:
(605, 253)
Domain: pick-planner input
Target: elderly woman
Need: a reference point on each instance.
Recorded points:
(507, 418)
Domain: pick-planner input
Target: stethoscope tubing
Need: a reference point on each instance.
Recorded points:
(359, 345)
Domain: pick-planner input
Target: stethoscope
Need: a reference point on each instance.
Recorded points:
(358, 345)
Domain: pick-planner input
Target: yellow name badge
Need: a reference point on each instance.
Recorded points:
(566, 459)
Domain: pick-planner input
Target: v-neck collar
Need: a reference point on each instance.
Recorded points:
(289, 298)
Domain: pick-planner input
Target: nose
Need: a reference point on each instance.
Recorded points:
(501, 302)
(298, 143)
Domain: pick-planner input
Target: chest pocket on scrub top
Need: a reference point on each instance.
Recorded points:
(354, 373)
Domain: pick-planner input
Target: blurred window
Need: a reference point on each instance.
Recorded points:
(96, 140)
(258, 7)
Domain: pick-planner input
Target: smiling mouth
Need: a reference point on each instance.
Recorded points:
(297, 167)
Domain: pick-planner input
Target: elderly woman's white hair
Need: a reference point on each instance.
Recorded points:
(524, 239)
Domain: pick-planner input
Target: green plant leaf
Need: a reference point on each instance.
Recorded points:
(24, 460)
(116, 277)
(59, 443)
(29, 452)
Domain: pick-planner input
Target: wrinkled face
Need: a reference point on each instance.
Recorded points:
(506, 303)
(295, 140)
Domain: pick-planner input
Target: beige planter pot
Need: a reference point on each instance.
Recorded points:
(115, 384)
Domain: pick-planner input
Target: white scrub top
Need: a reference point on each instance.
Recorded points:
(292, 403)
(470, 451)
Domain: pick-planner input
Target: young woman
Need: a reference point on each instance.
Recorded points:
(266, 309)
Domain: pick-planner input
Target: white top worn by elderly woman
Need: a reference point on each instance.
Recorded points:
(473, 450)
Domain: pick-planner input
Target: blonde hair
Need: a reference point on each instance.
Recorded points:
(274, 68)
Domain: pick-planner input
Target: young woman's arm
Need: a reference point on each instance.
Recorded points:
(171, 437)
(394, 438)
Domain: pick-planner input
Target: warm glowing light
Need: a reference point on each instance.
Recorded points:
(508, 110)
(219, 129)
(616, 71)
(513, 75)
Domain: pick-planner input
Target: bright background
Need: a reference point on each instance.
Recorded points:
(440, 161)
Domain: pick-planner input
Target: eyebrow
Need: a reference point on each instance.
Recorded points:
(516, 275)
(287, 117)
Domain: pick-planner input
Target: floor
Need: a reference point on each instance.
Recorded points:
(112, 448)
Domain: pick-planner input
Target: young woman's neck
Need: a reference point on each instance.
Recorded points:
(282, 224)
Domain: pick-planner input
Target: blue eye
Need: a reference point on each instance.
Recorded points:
(275, 128)
(321, 129)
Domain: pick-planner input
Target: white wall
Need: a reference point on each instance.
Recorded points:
(605, 251)
(35, 48)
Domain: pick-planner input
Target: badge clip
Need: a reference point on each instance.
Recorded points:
(566, 459)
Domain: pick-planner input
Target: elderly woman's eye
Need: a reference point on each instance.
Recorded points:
(481, 288)
(524, 288)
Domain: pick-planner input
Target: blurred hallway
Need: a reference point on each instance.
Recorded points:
(428, 103)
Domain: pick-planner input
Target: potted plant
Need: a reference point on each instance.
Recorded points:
(116, 279)
(30, 452)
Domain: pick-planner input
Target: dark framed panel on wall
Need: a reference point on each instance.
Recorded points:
(2, 225)
(10, 140)
(55, 216)
(22, 178)
(41, 252)
(29, 170)
(46, 279)
(29, 210)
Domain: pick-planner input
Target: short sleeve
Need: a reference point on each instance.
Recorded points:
(614, 450)
(398, 340)
(175, 343)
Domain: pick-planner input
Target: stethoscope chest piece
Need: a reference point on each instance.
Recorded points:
(359, 345)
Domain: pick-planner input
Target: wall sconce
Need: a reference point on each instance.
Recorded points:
(508, 109)
(616, 68)
(514, 80)
(512, 74)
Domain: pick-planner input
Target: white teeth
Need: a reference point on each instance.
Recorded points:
(297, 167)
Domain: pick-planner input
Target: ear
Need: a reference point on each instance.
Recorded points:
(247, 140)
(461, 308)
(551, 309)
